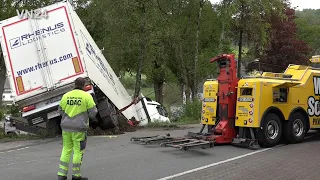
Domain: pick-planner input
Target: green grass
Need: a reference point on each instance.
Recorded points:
(21, 137)
(161, 125)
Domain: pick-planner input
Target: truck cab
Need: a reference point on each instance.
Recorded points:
(151, 111)
(279, 105)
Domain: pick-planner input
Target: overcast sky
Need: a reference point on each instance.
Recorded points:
(303, 4)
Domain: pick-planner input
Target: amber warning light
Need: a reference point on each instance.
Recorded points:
(315, 59)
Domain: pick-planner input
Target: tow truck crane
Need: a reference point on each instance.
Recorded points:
(254, 111)
(218, 112)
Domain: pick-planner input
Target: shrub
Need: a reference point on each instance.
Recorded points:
(191, 113)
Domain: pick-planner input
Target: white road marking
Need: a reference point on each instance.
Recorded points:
(106, 136)
(14, 150)
(221, 162)
(214, 164)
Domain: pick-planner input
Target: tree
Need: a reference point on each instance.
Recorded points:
(308, 28)
(248, 22)
(284, 48)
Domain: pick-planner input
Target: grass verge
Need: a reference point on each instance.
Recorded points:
(172, 125)
(21, 137)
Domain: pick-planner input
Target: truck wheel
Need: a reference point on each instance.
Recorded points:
(108, 122)
(271, 133)
(115, 118)
(295, 128)
(106, 112)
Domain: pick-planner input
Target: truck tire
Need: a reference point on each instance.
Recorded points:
(271, 131)
(108, 122)
(107, 112)
(115, 118)
(295, 128)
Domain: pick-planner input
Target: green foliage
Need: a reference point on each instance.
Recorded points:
(21, 137)
(162, 35)
(308, 24)
(1, 114)
(13, 110)
(191, 113)
(162, 125)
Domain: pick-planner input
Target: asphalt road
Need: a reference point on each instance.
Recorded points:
(287, 162)
(117, 158)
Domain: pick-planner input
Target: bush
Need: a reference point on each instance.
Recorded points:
(1, 115)
(191, 113)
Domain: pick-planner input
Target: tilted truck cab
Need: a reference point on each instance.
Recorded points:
(277, 105)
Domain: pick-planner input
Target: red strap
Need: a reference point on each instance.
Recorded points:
(135, 101)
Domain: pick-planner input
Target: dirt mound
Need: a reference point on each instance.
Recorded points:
(124, 126)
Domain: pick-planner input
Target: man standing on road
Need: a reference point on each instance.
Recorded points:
(76, 107)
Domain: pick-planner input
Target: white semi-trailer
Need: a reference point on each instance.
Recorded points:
(44, 56)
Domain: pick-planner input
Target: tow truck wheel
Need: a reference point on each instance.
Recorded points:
(295, 128)
(271, 131)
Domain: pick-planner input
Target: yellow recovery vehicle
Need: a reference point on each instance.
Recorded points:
(257, 110)
(279, 105)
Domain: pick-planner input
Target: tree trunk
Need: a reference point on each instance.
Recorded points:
(223, 29)
(185, 94)
(158, 89)
(2, 75)
(194, 83)
(193, 89)
(142, 50)
(240, 42)
(184, 73)
(188, 93)
(182, 92)
(240, 54)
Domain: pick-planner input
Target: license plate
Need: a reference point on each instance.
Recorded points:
(53, 114)
(54, 99)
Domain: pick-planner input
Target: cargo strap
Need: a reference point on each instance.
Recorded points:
(131, 122)
(135, 101)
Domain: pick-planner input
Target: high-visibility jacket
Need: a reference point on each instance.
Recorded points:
(76, 107)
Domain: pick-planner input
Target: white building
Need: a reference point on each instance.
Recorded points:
(7, 96)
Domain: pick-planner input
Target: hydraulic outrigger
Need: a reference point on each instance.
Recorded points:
(218, 115)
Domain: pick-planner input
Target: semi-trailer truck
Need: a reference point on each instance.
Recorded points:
(44, 56)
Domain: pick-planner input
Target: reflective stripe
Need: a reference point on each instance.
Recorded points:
(63, 171)
(64, 164)
(77, 165)
(76, 172)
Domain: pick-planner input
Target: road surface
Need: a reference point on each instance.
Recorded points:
(117, 158)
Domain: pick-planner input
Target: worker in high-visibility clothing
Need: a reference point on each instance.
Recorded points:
(76, 107)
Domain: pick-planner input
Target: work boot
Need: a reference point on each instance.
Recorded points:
(62, 177)
(79, 178)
